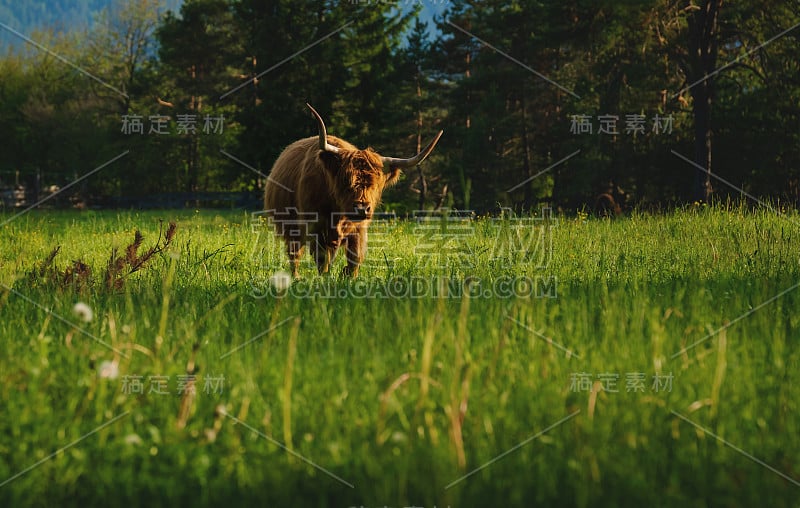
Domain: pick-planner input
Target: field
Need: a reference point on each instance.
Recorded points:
(652, 360)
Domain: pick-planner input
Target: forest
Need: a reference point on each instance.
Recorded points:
(571, 104)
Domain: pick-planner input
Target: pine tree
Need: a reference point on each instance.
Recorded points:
(195, 50)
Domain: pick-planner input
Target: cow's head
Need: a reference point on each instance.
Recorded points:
(357, 177)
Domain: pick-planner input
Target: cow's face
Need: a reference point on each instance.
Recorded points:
(357, 180)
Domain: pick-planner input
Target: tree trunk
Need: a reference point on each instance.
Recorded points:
(703, 49)
(423, 183)
(192, 158)
(526, 157)
(701, 110)
(467, 74)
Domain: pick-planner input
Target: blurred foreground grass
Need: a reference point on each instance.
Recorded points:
(559, 361)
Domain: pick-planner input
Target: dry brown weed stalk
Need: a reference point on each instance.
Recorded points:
(78, 275)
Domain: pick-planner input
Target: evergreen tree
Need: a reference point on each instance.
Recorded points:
(196, 50)
(338, 57)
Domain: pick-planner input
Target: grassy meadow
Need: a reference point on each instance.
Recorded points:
(652, 360)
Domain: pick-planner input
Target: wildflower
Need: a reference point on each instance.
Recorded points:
(281, 280)
(83, 311)
(133, 440)
(108, 370)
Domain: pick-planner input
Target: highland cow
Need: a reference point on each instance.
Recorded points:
(323, 191)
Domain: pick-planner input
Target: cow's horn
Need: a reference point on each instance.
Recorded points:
(413, 161)
(323, 135)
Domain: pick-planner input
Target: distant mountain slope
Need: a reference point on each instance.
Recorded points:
(26, 16)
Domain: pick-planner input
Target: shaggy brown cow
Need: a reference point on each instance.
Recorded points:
(322, 190)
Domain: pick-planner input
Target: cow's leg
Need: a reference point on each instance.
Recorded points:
(294, 249)
(356, 245)
(321, 256)
(325, 253)
(295, 252)
(325, 244)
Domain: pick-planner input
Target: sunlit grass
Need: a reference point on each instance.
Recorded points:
(402, 394)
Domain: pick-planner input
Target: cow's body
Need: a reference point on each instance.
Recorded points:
(322, 191)
(301, 203)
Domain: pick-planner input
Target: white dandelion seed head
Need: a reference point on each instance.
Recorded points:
(281, 280)
(133, 440)
(108, 370)
(83, 312)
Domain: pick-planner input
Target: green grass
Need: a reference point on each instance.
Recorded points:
(402, 396)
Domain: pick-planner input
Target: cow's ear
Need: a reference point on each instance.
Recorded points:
(392, 177)
(331, 161)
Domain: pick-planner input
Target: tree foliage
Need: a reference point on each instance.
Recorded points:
(516, 84)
